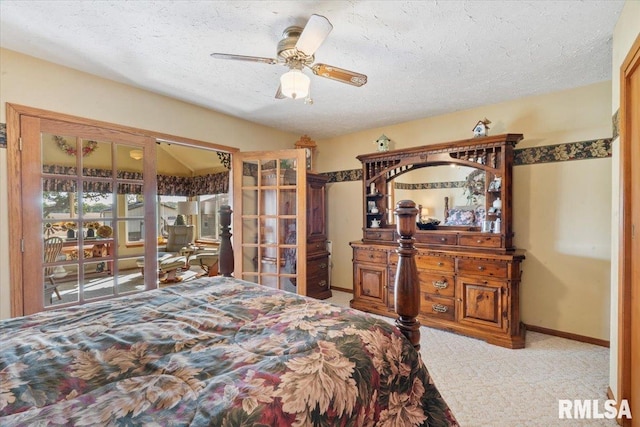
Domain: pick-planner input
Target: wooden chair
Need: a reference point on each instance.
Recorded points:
(52, 248)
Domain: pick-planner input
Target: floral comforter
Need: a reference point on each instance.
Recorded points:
(215, 351)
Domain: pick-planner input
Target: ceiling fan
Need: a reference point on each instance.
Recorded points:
(296, 51)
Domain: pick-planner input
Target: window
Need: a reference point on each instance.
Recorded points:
(209, 224)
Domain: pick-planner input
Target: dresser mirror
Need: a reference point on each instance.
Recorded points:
(435, 189)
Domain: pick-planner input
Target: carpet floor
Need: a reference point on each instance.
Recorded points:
(487, 385)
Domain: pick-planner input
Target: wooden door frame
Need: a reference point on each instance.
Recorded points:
(14, 113)
(631, 63)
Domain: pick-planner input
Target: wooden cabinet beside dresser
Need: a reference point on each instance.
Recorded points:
(469, 278)
(317, 254)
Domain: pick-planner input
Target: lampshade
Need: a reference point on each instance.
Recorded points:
(294, 84)
(188, 208)
(136, 154)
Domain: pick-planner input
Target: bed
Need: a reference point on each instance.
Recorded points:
(214, 351)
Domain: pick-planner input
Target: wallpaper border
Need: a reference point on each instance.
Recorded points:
(3, 135)
(582, 150)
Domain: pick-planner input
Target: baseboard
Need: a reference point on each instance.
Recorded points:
(568, 335)
(347, 290)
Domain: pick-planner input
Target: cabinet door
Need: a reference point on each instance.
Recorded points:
(483, 302)
(371, 280)
(316, 207)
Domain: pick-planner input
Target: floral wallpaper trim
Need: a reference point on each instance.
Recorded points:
(3, 135)
(583, 150)
(595, 149)
(217, 183)
(430, 185)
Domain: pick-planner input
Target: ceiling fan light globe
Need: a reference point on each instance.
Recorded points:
(294, 84)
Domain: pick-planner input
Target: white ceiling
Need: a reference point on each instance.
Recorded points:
(422, 58)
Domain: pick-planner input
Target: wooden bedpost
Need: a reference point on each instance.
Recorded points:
(226, 251)
(407, 287)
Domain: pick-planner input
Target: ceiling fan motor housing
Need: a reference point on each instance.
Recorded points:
(287, 48)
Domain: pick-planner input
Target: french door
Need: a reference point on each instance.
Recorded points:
(269, 219)
(79, 187)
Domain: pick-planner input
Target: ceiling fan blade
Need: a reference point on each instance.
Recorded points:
(314, 33)
(339, 74)
(279, 94)
(244, 58)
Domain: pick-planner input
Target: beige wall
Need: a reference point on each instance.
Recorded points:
(566, 274)
(561, 210)
(624, 35)
(28, 81)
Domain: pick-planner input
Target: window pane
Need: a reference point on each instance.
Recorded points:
(96, 159)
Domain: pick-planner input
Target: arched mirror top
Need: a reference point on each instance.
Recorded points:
(486, 153)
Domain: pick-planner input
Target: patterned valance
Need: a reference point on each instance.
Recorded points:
(217, 183)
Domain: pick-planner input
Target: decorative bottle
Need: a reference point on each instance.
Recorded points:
(497, 226)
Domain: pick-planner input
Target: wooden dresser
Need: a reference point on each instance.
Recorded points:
(469, 278)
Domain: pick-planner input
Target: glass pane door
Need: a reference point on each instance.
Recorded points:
(269, 219)
(90, 204)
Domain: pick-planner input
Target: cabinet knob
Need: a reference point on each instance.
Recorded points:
(481, 267)
(440, 284)
(370, 256)
(443, 239)
(439, 308)
(440, 264)
(479, 241)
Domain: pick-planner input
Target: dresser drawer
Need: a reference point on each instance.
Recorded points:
(427, 262)
(382, 235)
(437, 284)
(432, 238)
(442, 308)
(318, 266)
(438, 263)
(318, 246)
(481, 241)
(370, 256)
(482, 267)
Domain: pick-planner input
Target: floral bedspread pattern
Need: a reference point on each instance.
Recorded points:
(215, 351)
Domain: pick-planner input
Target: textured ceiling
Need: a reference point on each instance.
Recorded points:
(422, 58)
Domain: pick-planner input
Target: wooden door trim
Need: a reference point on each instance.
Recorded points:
(14, 199)
(631, 63)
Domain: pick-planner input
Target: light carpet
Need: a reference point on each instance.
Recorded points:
(487, 385)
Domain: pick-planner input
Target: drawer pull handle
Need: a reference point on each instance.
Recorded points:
(439, 308)
(479, 241)
(443, 239)
(322, 284)
(440, 264)
(323, 265)
(481, 267)
(440, 284)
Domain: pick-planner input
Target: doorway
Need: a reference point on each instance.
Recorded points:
(629, 254)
